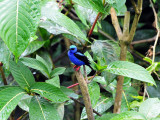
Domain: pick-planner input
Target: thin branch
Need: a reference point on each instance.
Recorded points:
(2, 73)
(135, 21)
(83, 105)
(85, 94)
(135, 6)
(144, 41)
(158, 32)
(106, 34)
(116, 23)
(154, 47)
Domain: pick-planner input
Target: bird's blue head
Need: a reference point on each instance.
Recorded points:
(73, 49)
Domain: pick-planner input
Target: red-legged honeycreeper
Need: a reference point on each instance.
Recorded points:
(79, 59)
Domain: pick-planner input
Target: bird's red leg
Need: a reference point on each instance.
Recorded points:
(76, 67)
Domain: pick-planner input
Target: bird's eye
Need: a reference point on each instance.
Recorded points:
(72, 48)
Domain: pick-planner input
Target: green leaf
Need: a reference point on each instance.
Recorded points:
(61, 21)
(32, 47)
(153, 91)
(91, 4)
(150, 108)
(94, 92)
(35, 64)
(54, 81)
(24, 102)
(129, 115)
(44, 62)
(85, 15)
(49, 91)
(5, 54)
(41, 109)
(22, 74)
(18, 23)
(131, 70)
(103, 105)
(100, 80)
(9, 99)
(58, 71)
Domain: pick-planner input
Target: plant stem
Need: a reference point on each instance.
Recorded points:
(91, 30)
(3, 75)
(85, 94)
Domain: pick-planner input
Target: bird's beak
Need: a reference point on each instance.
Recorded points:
(68, 49)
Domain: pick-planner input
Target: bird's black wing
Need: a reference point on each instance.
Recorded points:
(82, 57)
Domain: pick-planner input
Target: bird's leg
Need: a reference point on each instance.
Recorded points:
(76, 67)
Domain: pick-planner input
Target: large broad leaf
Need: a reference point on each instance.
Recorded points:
(58, 21)
(150, 108)
(91, 4)
(130, 115)
(21, 74)
(5, 54)
(9, 99)
(32, 47)
(49, 91)
(35, 64)
(131, 70)
(85, 15)
(41, 109)
(18, 23)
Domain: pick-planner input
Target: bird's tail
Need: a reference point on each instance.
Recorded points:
(92, 71)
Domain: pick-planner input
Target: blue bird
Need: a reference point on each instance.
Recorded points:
(78, 58)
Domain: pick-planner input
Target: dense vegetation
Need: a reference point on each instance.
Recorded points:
(119, 37)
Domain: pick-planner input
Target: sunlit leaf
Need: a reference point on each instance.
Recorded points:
(91, 4)
(18, 23)
(60, 22)
(150, 108)
(131, 70)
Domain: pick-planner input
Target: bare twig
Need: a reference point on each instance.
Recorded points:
(144, 41)
(158, 32)
(135, 21)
